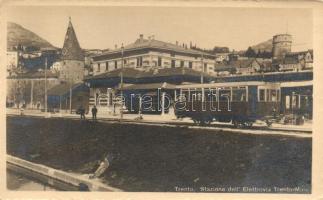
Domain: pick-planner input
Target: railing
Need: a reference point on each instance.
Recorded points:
(59, 175)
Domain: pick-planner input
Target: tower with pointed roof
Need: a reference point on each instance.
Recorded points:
(72, 58)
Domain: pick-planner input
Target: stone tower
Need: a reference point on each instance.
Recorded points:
(282, 44)
(72, 59)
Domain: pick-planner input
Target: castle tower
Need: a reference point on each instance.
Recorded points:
(72, 59)
(282, 44)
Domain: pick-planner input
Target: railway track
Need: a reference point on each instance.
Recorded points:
(261, 130)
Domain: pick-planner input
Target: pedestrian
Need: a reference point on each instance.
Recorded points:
(81, 111)
(94, 111)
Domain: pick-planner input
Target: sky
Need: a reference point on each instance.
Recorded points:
(103, 27)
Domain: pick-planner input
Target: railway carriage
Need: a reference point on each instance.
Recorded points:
(241, 103)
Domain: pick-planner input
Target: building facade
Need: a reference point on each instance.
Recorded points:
(145, 54)
(12, 60)
(28, 90)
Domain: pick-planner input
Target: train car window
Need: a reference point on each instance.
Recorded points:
(267, 95)
(238, 94)
(287, 102)
(273, 95)
(199, 96)
(262, 95)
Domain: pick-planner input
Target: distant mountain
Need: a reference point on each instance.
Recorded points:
(264, 46)
(17, 34)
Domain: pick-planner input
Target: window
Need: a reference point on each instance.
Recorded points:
(107, 66)
(115, 64)
(190, 65)
(274, 95)
(173, 64)
(139, 61)
(98, 69)
(268, 95)
(287, 102)
(239, 94)
(172, 54)
(261, 95)
(159, 61)
(182, 63)
(205, 67)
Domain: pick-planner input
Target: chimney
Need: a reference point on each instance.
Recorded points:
(176, 43)
(141, 36)
(191, 45)
(115, 46)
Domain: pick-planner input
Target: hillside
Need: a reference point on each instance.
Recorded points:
(17, 34)
(263, 46)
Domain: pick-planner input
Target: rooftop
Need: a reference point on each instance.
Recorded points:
(71, 49)
(34, 75)
(142, 43)
(134, 73)
(62, 89)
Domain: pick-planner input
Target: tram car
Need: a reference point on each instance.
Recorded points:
(241, 103)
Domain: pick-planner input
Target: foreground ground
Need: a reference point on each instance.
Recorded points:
(151, 158)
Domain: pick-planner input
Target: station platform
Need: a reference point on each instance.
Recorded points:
(155, 118)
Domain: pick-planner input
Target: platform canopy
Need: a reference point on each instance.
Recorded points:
(63, 89)
(150, 86)
(134, 76)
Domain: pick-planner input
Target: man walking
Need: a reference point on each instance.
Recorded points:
(81, 111)
(94, 111)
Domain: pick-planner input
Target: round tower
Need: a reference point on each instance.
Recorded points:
(72, 58)
(282, 44)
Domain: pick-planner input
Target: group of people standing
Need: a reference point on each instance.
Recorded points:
(81, 111)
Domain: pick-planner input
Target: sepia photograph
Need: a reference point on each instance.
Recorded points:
(159, 99)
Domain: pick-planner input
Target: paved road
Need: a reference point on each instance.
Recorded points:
(149, 157)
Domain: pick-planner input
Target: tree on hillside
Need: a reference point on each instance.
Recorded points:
(250, 53)
(221, 50)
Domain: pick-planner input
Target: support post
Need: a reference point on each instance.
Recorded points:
(71, 98)
(163, 103)
(32, 94)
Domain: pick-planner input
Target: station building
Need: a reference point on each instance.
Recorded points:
(146, 61)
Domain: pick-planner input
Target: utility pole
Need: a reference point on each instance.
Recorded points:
(202, 70)
(32, 94)
(121, 82)
(71, 95)
(46, 85)
(202, 76)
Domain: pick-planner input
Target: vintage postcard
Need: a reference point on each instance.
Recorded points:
(157, 99)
